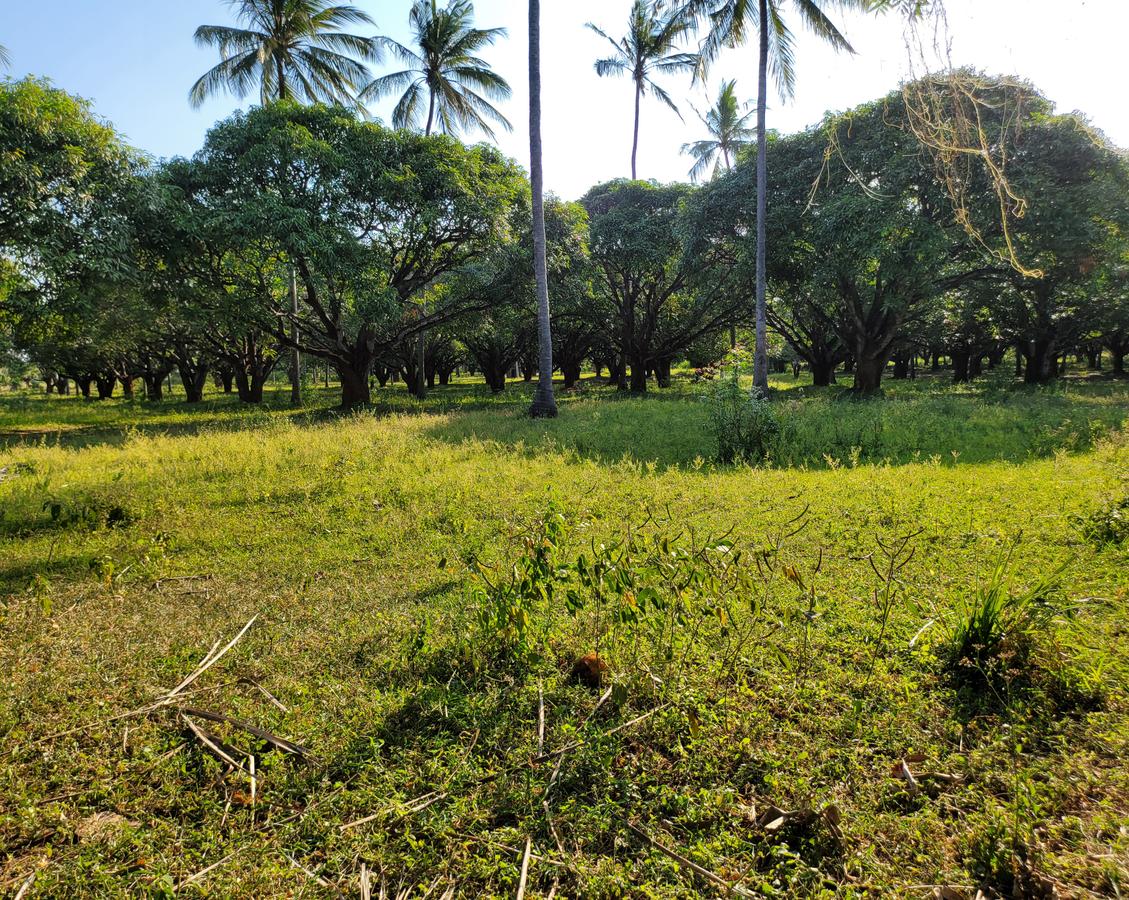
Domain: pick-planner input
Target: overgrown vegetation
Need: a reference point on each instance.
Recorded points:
(786, 701)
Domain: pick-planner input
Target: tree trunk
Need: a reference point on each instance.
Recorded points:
(1094, 358)
(635, 141)
(295, 355)
(638, 376)
(154, 387)
(544, 403)
(662, 372)
(868, 373)
(417, 387)
(760, 356)
(571, 372)
(226, 376)
(193, 377)
(901, 367)
(976, 365)
(354, 388)
(822, 373)
(83, 384)
(1042, 361)
(127, 387)
(105, 385)
(960, 366)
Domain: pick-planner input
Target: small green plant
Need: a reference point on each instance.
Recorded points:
(746, 427)
(507, 605)
(992, 629)
(1107, 525)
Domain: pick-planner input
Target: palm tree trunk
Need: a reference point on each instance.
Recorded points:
(295, 356)
(419, 389)
(544, 404)
(635, 141)
(760, 357)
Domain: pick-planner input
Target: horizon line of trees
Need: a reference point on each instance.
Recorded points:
(114, 269)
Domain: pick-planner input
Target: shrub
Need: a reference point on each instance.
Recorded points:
(746, 427)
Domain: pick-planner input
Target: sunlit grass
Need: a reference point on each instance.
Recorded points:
(333, 529)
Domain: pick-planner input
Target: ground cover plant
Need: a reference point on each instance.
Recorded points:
(844, 671)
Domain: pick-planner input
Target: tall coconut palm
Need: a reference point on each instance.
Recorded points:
(289, 50)
(444, 72)
(544, 403)
(728, 130)
(731, 24)
(648, 47)
(5, 57)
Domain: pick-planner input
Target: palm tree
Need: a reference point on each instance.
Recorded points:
(5, 57)
(730, 25)
(445, 70)
(728, 133)
(290, 50)
(648, 47)
(544, 404)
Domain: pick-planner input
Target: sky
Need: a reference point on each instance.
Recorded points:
(136, 60)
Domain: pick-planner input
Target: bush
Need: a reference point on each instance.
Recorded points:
(746, 427)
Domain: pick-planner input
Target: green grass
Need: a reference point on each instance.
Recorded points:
(332, 529)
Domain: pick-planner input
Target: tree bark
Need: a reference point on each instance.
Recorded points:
(638, 376)
(544, 403)
(295, 355)
(154, 387)
(1042, 361)
(354, 387)
(961, 367)
(868, 373)
(822, 373)
(760, 355)
(635, 141)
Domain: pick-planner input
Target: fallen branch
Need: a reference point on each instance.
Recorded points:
(209, 661)
(690, 864)
(204, 872)
(25, 887)
(272, 739)
(312, 875)
(212, 744)
(524, 869)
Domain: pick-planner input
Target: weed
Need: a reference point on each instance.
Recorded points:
(992, 629)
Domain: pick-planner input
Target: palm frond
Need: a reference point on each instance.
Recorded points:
(781, 54)
(236, 74)
(381, 87)
(407, 111)
(815, 19)
(611, 67)
(664, 97)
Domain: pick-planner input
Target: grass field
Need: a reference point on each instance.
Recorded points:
(788, 712)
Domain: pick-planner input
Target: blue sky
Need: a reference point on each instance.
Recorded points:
(135, 59)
